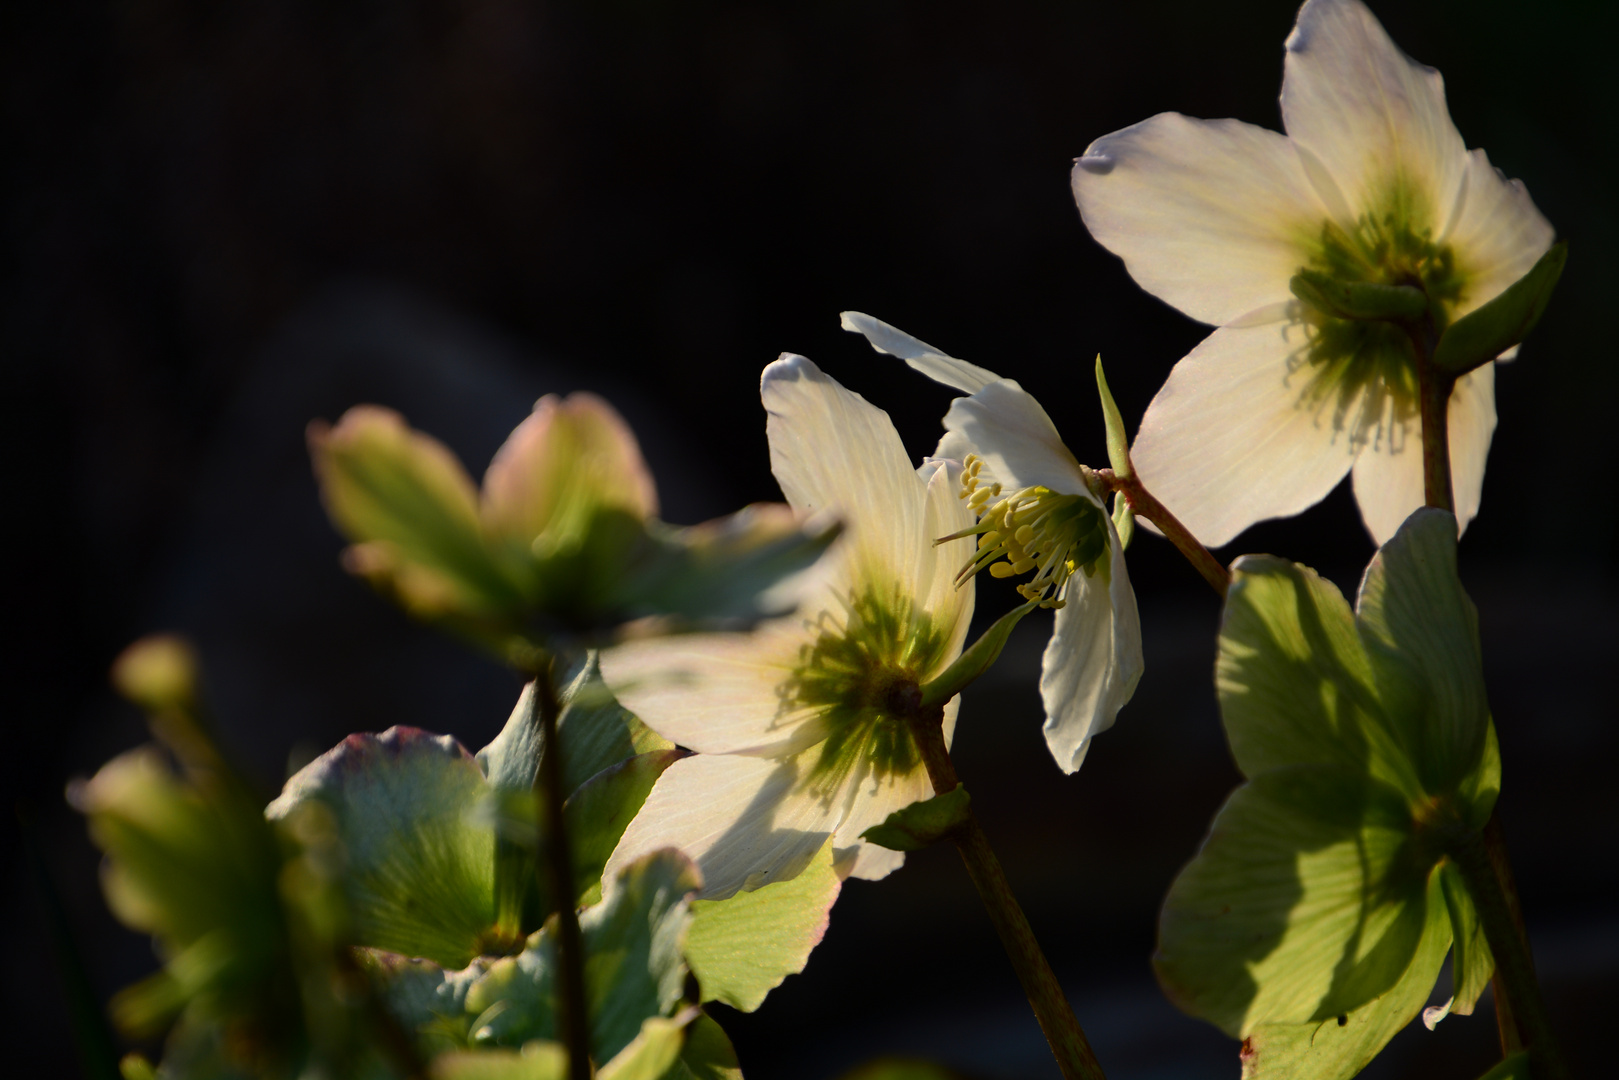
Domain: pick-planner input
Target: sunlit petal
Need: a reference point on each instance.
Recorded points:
(1208, 215)
(1006, 427)
(1498, 229)
(968, 378)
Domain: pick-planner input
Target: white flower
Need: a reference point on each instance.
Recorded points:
(1371, 183)
(1039, 511)
(794, 724)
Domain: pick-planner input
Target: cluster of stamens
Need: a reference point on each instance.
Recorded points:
(1033, 529)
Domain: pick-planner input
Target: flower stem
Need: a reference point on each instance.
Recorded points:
(1476, 857)
(1147, 507)
(574, 1020)
(1063, 1033)
(1433, 391)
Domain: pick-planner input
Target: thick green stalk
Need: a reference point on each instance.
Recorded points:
(574, 1020)
(1063, 1033)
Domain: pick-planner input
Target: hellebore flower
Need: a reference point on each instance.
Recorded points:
(1037, 509)
(799, 726)
(1371, 184)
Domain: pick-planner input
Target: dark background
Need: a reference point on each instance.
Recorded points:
(223, 220)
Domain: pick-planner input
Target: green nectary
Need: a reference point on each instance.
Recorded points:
(864, 673)
(1359, 365)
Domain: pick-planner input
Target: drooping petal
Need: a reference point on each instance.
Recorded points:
(1232, 437)
(1093, 660)
(1017, 440)
(1369, 113)
(833, 452)
(739, 818)
(1388, 472)
(1208, 215)
(716, 693)
(968, 378)
(1497, 232)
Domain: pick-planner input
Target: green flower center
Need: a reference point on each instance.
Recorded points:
(1365, 369)
(864, 673)
(1034, 529)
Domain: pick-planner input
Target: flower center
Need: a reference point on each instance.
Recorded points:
(864, 672)
(1364, 369)
(1034, 529)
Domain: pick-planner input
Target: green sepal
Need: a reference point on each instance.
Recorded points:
(974, 660)
(1118, 443)
(597, 814)
(1485, 333)
(1363, 301)
(1124, 520)
(1339, 1047)
(744, 946)
(920, 824)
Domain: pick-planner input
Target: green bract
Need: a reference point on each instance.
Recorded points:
(922, 823)
(561, 538)
(1316, 917)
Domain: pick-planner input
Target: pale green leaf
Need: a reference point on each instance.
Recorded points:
(597, 814)
(974, 660)
(707, 1053)
(1421, 636)
(652, 1053)
(420, 873)
(1471, 962)
(1306, 900)
(1294, 683)
(742, 947)
(1339, 1047)
(914, 827)
(1118, 441)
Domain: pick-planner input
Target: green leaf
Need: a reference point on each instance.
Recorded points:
(743, 947)
(652, 1053)
(974, 660)
(424, 997)
(633, 965)
(920, 824)
(1124, 520)
(707, 1054)
(1307, 900)
(1336, 1048)
(598, 813)
(1118, 443)
(420, 873)
(411, 511)
(1471, 962)
(1490, 330)
(539, 1060)
(726, 569)
(1515, 1067)
(1421, 636)
(1294, 682)
(1359, 300)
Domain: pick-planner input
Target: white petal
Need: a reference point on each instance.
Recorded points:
(968, 378)
(737, 817)
(832, 451)
(1017, 440)
(1368, 112)
(1497, 235)
(1093, 660)
(715, 693)
(1230, 440)
(950, 607)
(1208, 215)
(1388, 484)
(870, 801)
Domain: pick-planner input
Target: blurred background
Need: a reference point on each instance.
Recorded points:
(224, 220)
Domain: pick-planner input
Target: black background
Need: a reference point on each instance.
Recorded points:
(223, 220)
